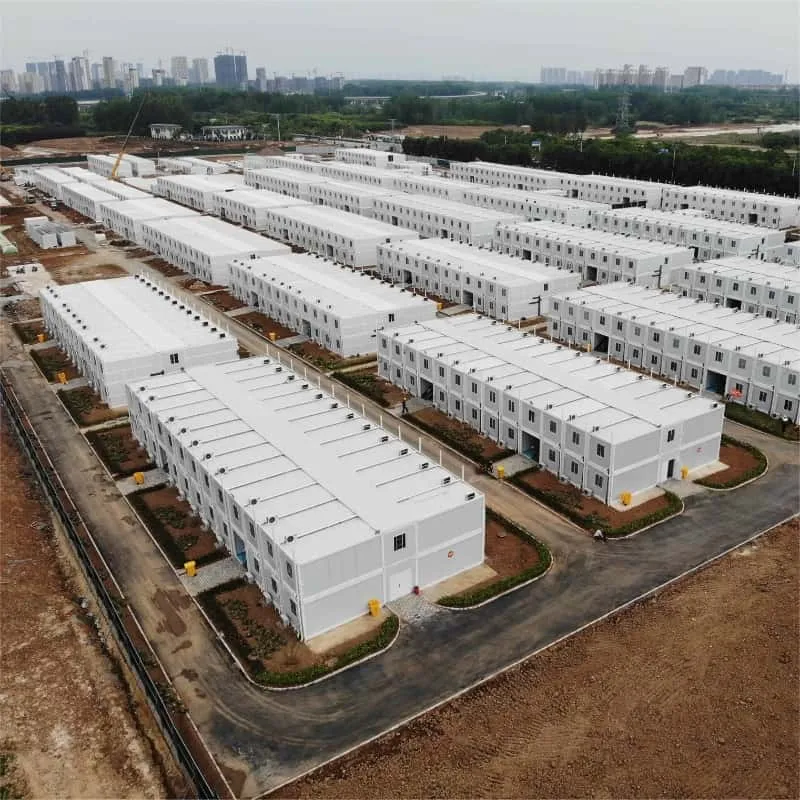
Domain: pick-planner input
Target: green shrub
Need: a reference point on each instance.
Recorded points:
(712, 482)
(473, 598)
(463, 441)
(761, 421)
(364, 383)
(386, 634)
(593, 522)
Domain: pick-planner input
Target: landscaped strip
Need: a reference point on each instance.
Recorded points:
(461, 443)
(115, 446)
(265, 642)
(364, 383)
(714, 482)
(468, 599)
(593, 522)
(762, 422)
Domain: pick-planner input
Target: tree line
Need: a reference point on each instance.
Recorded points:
(770, 171)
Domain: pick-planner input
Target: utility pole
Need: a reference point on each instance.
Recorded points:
(623, 112)
(278, 117)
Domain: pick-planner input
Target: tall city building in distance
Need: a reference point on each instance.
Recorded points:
(231, 70)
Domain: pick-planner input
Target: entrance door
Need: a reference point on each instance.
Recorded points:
(670, 468)
(401, 583)
(241, 553)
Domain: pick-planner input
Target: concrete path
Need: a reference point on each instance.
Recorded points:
(274, 736)
(211, 575)
(153, 477)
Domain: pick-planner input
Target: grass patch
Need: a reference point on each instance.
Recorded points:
(593, 522)
(762, 422)
(471, 598)
(77, 403)
(51, 361)
(714, 482)
(116, 446)
(365, 383)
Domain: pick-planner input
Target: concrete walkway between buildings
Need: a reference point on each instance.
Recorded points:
(271, 737)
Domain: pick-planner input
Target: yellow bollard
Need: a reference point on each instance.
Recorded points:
(62, 377)
(501, 472)
(684, 472)
(374, 607)
(41, 337)
(272, 336)
(191, 568)
(138, 478)
(439, 306)
(626, 498)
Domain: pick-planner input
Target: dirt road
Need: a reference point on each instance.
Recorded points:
(66, 723)
(693, 694)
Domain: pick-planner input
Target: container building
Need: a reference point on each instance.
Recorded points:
(367, 157)
(87, 199)
(597, 255)
(197, 191)
(249, 207)
(126, 217)
(337, 307)
(325, 509)
(283, 181)
(490, 283)
(749, 358)
(128, 329)
(602, 428)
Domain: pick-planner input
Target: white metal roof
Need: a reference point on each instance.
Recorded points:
(343, 222)
(204, 183)
(641, 403)
(128, 317)
(742, 196)
(152, 208)
(763, 273)
(591, 238)
(775, 341)
(82, 174)
(476, 261)
(329, 477)
(320, 282)
(261, 198)
(54, 174)
(679, 219)
(91, 191)
(215, 237)
(534, 198)
(281, 173)
(427, 204)
(351, 189)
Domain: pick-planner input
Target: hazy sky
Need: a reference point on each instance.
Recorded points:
(480, 39)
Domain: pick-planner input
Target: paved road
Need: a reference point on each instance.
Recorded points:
(265, 738)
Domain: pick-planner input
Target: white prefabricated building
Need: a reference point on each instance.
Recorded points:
(197, 191)
(82, 174)
(744, 357)
(282, 181)
(352, 197)
(758, 287)
(48, 234)
(788, 253)
(50, 180)
(126, 217)
(512, 177)
(129, 166)
(120, 190)
(87, 199)
(533, 205)
(766, 210)
(617, 192)
(433, 218)
(296, 162)
(191, 165)
(707, 238)
(490, 283)
(597, 255)
(203, 246)
(339, 308)
(325, 509)
(367, 157)
(356, 173)
(248, 207)
(338, 235)
(602, 428)
(127, 329)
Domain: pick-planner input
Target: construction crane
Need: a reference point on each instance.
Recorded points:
(127, 136)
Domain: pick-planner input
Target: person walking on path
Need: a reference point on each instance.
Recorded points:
(404, 408)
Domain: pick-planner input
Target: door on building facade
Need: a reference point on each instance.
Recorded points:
(401, 583)
(241, 553)
(671, 468)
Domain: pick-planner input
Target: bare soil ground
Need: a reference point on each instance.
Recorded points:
(317, 355)
(51, 361)
(432, 297)
(691, 694)
(195, 285)
(86, 407)
(222, 300)
(173, 523)
(119, 450)
(739, 460)
(23, 309)
(265, 325)
(67, 723)
(369, 383)
(28, 331)
(252, 626)
(164, 267)
(459, 435)
(453, 131)
(591, 506)
(79, 269)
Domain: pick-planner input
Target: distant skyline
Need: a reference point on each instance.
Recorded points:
(478, 40)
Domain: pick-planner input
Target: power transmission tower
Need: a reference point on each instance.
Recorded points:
(623, 113)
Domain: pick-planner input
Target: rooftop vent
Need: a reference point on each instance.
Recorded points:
(404, 451)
